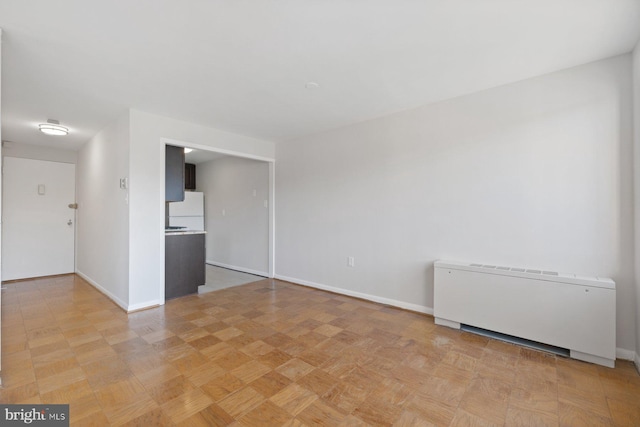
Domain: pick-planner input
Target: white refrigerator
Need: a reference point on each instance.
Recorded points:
(189, 213)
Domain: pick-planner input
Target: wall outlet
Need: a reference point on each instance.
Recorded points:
(351, 261)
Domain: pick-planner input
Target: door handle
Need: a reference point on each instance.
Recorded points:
(69, 222)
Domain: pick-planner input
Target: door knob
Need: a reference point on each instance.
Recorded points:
(69, 222)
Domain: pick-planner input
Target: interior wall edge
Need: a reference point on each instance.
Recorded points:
(635, 107)
(111, 296)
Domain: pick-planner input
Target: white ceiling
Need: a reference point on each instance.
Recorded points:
(201, 156)
(242, 65)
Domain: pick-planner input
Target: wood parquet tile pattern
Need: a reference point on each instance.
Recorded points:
(272, 353)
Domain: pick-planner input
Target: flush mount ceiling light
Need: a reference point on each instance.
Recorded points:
(52, 127)
(187, 150)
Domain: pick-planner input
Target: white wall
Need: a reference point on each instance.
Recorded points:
(149, 134)
(636, 156)
(37, 152)
(536, 174)
(102, 249)
(239, 239)
(0, 200)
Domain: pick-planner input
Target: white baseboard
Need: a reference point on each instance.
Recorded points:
(624, 354)
(144, 305)
(368, 297)
(637, 362)
(123, 305)
(236, 268)
(126, 307)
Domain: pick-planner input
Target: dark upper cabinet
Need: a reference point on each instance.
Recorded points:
(189, 176)
(174, 174)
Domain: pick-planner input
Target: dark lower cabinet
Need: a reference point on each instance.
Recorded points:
(184, 264)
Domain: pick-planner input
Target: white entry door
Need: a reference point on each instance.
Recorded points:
(38, 227)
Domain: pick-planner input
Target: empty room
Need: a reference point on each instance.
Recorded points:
(337, 213)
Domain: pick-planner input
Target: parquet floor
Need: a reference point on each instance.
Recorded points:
(273, 353)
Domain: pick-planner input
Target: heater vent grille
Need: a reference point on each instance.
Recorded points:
(517, 270)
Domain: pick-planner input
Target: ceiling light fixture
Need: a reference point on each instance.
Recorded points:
(312, 85)
(52, 127)
(187, 150)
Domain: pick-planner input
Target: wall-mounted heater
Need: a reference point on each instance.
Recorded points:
(562, 310)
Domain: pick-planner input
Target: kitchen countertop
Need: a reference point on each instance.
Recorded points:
(182, 232)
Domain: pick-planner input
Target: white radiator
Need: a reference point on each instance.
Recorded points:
(562, 310)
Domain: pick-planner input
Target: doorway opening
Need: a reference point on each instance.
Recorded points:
(238, 193)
